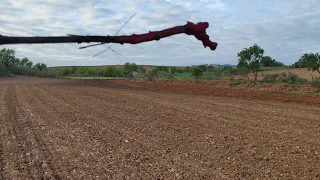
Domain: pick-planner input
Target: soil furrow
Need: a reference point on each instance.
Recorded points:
(30, 153)
(257, 120)
(96, 95)
(67, 129)
(2, 162)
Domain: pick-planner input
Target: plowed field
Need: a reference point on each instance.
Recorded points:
(116, 129)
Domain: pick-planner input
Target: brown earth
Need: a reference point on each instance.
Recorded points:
(118, 129)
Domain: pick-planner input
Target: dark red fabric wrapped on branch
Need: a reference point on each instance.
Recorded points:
(198, 30)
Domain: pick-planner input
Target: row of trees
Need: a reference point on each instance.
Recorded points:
(127, 71)
(10, 64)
(310, 61)
(253, 59)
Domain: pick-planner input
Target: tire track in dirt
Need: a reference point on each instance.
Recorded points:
(258, 120)
(80, 109)
(82, 126)
(271, 140)
(96, 95)
(2, 163)
(28, 156)
(125, 133)
(71, 98)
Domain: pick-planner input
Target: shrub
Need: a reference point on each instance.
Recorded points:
(290, 78)
(65, 72)
(271, 78)
(295, 79)
(162, 75)
(316, 83)
(47, 74)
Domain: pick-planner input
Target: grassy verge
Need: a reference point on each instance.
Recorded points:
(273, 68)
(183, 76)
(102, 78)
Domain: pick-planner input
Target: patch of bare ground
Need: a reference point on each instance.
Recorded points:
(93, 129)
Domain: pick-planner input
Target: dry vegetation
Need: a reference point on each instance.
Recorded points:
(301, 72)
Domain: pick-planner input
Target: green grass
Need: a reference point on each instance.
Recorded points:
(183, 76)
(102, 78)
(273, 68)
(315, 94)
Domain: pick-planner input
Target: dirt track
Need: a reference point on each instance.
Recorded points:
(91, 129)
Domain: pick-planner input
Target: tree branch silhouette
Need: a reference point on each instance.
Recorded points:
(198, 30)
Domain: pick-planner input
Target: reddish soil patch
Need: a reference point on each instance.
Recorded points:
(98, 129)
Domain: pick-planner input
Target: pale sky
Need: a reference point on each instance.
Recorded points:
(286, 29)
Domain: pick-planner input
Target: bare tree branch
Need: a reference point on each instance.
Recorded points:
(198, 30)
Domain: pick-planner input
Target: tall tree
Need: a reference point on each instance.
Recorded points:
(7, 57)
(40, 66)
(250, 58)
(129, 68)
(197, 72)
(25, 62)
(311, 61)
(267, 61)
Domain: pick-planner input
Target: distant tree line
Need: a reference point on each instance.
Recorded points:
(10, 65)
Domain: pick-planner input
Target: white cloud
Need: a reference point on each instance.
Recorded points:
(285, 29)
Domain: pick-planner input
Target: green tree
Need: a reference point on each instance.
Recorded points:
(65, 72)
(187, 69)
(173, 70)
(311, 61)
(23, 62)
(141, 69)
(81, 71)
(203, 67)
(180, 70)
(40, 66)
(129, 68)
(74, 69)
(197, 73)
(7, 58)
(267, 61)
(111, 72)
(250, 58)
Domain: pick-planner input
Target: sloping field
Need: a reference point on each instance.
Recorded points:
(301, 72)
(147, 67)
(115, 129)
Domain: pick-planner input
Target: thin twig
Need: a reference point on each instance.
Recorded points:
(115, 35)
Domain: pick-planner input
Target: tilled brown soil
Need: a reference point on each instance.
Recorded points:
(93, 129)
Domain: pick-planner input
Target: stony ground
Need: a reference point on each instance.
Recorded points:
(105, 129)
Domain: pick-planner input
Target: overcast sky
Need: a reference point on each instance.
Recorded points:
(286, 29)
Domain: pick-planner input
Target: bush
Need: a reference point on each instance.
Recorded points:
(3, 70)
(294, 79)
(160, 75)
(290, 78)
(111, 72)
(47, 74)
(316, 83)
(271, 78)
